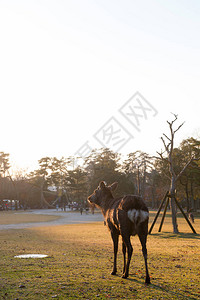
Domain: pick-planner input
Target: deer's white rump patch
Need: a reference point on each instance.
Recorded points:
(137, 215)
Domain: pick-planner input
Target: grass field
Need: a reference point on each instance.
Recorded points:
(80, 261)
(10, 217)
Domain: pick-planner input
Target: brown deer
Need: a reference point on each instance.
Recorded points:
(125, 216)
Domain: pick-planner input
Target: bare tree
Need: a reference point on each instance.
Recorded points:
(168, 142)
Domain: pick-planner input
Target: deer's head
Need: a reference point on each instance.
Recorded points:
(101, 193)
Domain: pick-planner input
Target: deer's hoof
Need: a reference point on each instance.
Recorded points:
(124, 276)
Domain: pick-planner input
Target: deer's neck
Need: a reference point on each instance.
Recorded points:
(106, 205)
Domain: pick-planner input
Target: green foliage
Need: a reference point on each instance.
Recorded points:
(101, 165)
(138, 173)
(137, 167)
(4, 163)
(77, 185)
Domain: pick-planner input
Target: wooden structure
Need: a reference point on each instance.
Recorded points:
(166, 199)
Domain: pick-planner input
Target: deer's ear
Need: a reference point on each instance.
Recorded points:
(113, 186)
(102, 185)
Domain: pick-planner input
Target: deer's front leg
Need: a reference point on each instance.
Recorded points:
(124, 255)
(115, 238)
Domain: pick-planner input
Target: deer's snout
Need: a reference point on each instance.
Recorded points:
(91, 198)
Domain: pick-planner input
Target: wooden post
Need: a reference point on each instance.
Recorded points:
(164, 213)
(161, 205)
(185, 216)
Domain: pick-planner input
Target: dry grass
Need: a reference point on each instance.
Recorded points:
(80, 262)
(10, 217)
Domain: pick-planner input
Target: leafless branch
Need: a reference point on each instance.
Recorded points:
(167, 176)
(179, 127)
(195, 166)
(185, 167)
(161, 156)
(166, 137)
(175, 118)
(166, 145)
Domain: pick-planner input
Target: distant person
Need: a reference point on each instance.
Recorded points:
(191, 217)
(92, 209)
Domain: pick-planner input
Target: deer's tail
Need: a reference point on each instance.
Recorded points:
(137, 215)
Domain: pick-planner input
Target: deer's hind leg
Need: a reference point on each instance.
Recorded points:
(127, 243)
(143, 240)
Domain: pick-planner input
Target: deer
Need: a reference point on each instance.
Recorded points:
(126, 216)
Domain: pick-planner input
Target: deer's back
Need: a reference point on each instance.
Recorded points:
(128, 211)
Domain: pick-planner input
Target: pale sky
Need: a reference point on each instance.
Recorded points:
(67, 67)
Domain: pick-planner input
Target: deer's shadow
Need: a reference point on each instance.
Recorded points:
(164, 288)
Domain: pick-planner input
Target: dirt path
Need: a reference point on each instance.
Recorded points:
(64, 218)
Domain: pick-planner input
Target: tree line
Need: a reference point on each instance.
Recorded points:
(138, 173)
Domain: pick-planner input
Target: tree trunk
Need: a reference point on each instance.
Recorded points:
(192, 197)
(143, 182)
(41, 194)
(174, 219)
(153, 198)
(187, 197)
(173, 206)
(138, 181)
